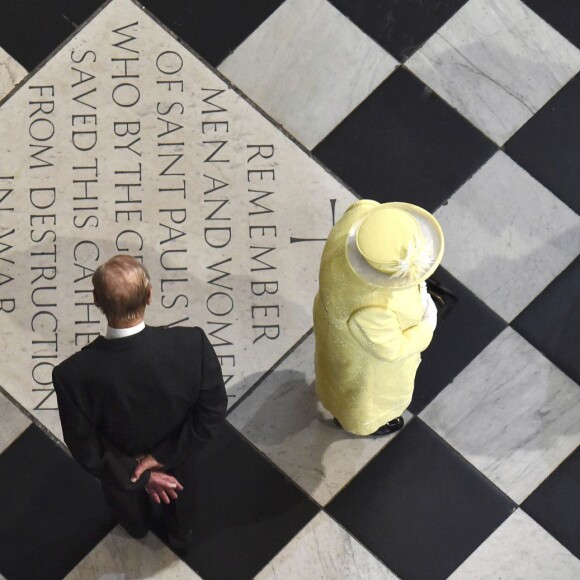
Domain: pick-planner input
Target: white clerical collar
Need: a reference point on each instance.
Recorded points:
(123, 332)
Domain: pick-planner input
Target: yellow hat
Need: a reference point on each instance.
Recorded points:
(396, 245)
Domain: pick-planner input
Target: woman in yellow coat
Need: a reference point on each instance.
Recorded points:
(372, 314)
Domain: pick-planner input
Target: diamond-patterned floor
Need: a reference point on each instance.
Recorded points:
(468, 108)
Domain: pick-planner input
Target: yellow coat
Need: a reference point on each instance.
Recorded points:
(368, 338)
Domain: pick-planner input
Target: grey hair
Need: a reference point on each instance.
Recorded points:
(122, 286)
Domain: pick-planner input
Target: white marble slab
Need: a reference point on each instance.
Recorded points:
(519, 549)
(497, 63)
(283, 418)
(11, 73)
(12, 422)
(507, 236)
(325, 551)
(327, 67)
(125, 142)
(120, 557)
(511, 413)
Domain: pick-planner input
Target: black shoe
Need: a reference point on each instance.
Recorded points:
(387, 428)
(390, 427)
(180, 545)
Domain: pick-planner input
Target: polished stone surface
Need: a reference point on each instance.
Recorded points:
(125, 142)
(551, 321)
(554, 504)
(546, 146)
(247, 510)
(120, 557)
(497, 63)
(53, 512)
(419, 506)
(284, 420)
(405, 143)
(400, 27)
(511, 413)
(213, 28)
(12, 420)
(461, 334)
(563, 15)
(30, 31)
(11, 73)
(417, 503)
(309, 97)
(519, 548)
(507, 236)
(324, 550)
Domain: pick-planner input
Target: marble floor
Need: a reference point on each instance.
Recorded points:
(469, 108)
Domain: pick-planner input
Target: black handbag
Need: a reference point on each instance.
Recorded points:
(443, 298)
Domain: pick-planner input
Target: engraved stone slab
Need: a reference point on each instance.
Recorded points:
(125, 142)
(11, 73)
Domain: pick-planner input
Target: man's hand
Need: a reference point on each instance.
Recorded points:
(145, 463)
(163, 487)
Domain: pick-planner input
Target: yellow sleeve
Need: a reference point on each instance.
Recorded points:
(377, 330)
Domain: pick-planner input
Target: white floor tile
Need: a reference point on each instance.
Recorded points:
(283, 418)
(511, 413)
(519, 549)
(11, 73)
(497, 63)
(12, 422)
(308, 66)
(507, 236)
(325, 551)
(120, 557)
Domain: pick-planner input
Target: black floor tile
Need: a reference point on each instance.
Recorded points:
(555, 504)
(399, 27)
(248, 510)
(547, 146)
(419, 506)
(563, 15)
(464, 332)
(213, 28)
(30, 30)
(52, 513)
(551, 322)
(404, 143)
